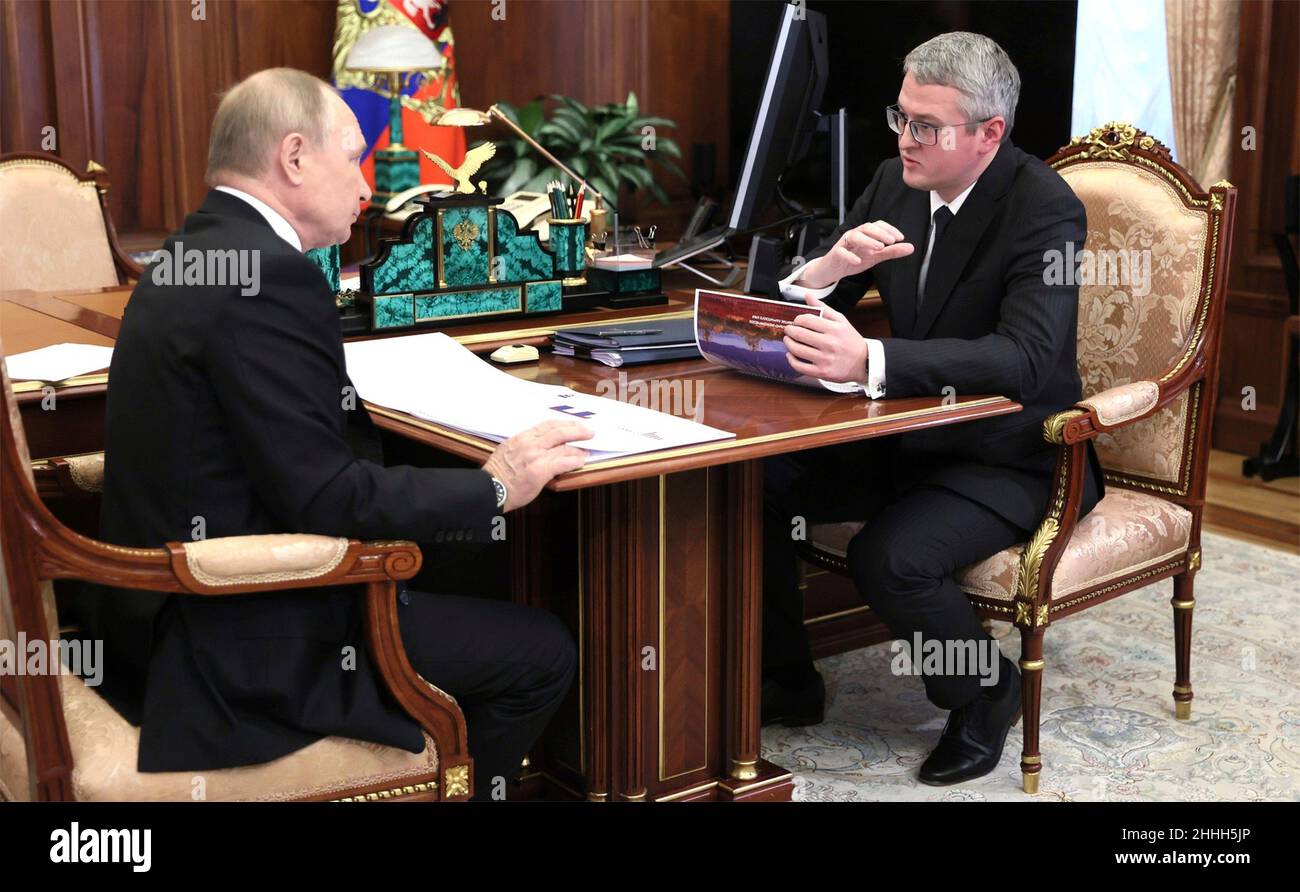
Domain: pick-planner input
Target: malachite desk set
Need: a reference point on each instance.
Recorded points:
(459, 258)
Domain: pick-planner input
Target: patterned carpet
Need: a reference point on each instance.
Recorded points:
(1108, 730)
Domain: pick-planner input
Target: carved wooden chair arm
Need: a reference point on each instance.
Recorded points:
(1071, 430)
(1126, 404)
(269, 563)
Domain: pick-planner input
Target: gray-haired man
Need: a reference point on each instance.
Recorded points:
(953, 233)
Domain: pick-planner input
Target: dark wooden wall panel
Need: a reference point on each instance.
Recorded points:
(672, 53)
(133, 84)
(1268, 99)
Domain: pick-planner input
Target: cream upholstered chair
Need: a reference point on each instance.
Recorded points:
(58, 233)
(1148, 360)
(59, 740)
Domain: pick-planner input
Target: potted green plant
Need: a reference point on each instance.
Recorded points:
(610, 145)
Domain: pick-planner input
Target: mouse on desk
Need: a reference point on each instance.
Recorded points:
(514, 353)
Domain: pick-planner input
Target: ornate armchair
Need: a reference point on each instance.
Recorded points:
(59, 740)
(1148, 360)
(58, 234)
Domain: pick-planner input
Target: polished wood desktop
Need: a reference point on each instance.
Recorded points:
(654, 560)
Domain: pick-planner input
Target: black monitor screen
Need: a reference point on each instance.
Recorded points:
(783, 125)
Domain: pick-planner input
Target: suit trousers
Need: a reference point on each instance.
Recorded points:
(903, 561)
(508, 666)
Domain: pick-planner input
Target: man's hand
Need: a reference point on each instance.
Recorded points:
(826, 346)
(528, 460)
(858, 250)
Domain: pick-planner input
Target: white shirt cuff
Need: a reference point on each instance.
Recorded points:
(875, 385)
(791, 291)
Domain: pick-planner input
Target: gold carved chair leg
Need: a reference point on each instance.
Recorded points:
(1183, 603)
(1031, 693)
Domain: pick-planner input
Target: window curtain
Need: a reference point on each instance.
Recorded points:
(1121, 68)
(1202, 36)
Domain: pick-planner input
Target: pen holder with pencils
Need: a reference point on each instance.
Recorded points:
(568, 243)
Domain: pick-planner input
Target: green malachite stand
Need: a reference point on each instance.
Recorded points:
(457, 258)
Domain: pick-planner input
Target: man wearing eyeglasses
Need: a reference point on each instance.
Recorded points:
(953, 233)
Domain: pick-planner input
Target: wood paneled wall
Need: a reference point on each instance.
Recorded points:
(1268, 100)
(133, 84)
(673, 54)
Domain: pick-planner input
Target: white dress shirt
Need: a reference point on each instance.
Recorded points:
(277, 221)
(875, 383)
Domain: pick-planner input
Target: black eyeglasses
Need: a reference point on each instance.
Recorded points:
(925, 134)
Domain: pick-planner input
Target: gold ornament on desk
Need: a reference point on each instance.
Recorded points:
(434, 113)
(462, 176)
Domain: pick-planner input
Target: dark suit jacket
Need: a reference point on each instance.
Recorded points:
(989, 324)
(230, 408)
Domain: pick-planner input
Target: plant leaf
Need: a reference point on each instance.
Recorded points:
(573, 104)
(524, 169)
(604, 188)
(637, 174)
(566, 126)
(665, 146)
(608, 172)
(612, 127)
(638, 123)
(530, 116)
(555, 137)
(631, 104)
(538, 182)
(579, 122)
(509, 111)
(670, 165)
(623, 151)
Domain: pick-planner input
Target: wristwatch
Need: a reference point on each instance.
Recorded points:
(501, 492)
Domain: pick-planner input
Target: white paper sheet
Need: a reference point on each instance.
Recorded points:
(432, 377)
(58, 362)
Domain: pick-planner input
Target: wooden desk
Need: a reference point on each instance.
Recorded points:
(654, 560)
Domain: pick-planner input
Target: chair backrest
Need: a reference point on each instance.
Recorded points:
(56, 226)
(1152, 278)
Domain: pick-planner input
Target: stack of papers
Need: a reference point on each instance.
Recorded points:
(58, 362)
(434, 378)
(623, 261)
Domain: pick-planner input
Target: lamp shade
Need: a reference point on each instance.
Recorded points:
(393, 48)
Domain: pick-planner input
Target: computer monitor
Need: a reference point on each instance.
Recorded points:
(782, 133)
(785, 122)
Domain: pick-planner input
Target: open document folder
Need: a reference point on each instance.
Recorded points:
(432, 377)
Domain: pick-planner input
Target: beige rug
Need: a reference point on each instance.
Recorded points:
(1108, 729)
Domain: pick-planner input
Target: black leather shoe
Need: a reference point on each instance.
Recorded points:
(972, 740)
(794, 705)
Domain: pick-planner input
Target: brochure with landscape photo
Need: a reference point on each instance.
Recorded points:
(745, 333)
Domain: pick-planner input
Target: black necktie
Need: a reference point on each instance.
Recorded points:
(942, 217)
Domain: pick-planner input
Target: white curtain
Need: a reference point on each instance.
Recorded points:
(1121, 68)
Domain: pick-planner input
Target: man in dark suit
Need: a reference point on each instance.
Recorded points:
(231, 413)
(954, 233)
